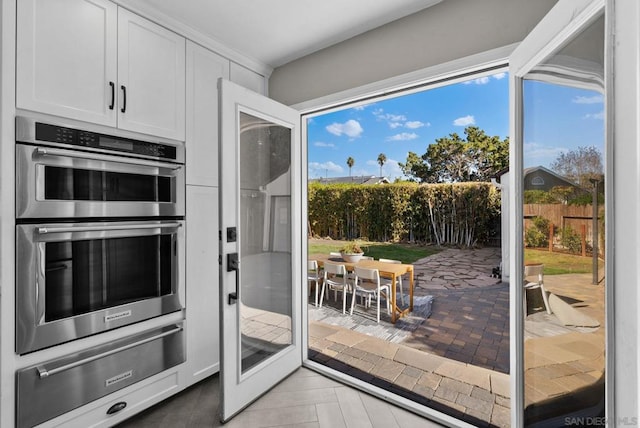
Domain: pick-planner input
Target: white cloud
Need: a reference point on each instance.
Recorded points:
(597, 116)
(350, 128)
(390, 117)
(479, 81)
(485, 79)
(317, 169)
(465, 121)
(404, 136)
(322, 144)
(535, 151)
(596, 99)
(363, 106)
(394, 125)
(414, 124)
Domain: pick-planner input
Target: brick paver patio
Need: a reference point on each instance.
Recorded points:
(457, 359)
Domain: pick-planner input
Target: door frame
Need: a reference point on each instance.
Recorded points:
(478, 65)
(563, 22)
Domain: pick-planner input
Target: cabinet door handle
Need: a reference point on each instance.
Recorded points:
(113, 95)
(124, 98)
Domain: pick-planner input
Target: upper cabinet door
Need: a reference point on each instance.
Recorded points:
(204, 68)
(66, 58)
(151, 74)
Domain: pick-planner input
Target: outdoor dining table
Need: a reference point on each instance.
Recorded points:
(386, 269)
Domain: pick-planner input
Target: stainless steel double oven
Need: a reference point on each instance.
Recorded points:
(99, 231)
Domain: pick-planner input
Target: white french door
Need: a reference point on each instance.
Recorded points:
(559, 81)
(261, 252)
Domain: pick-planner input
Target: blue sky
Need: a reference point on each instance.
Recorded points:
(412, 122)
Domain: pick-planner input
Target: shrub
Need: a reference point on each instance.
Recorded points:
(539, 197)
(537, 235)
(450, 214)
(570, 240)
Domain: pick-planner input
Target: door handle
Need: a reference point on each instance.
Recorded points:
(124, 98)
(233, 264)
(113, 95)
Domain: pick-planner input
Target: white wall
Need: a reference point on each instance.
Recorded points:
(447, 31)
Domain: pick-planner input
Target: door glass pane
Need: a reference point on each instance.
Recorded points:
(564, 223)
(265, 239)
(89, 275)
(73, 184)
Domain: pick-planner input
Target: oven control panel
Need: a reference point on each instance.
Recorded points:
(74, 137)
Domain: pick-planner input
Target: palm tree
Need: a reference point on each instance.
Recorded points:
(381, 160)
(350, 162)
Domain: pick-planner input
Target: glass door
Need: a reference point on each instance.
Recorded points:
(261, 280)
(560, 219)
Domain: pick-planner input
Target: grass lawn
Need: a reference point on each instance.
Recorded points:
(560, 263)
(406, 253)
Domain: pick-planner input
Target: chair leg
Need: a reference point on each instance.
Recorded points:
(344, 299)
(378, 307)
(316, 288)
(401, 291)
(322, 293)
(545, 298)
(353, 301)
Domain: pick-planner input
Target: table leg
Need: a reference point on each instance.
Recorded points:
(393, 298)
(411, 290)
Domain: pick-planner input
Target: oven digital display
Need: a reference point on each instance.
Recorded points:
(113, 143)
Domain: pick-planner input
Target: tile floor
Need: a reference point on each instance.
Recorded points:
(304, 399)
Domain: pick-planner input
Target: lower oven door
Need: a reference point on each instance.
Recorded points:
(78, 279)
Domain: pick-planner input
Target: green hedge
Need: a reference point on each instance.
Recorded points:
(462, 214)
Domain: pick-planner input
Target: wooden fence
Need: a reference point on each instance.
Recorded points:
(577, 217)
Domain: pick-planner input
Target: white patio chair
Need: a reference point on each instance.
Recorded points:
(536, 271)
(366, 258)
(313, 277)
(335, 278)
(335, 254)
(367, 284)
(398, 278)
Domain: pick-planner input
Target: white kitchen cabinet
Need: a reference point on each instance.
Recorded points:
(93, 61)
(67, 58)
(204, 68)
(202, 309)
(248, 79)
(151, 77)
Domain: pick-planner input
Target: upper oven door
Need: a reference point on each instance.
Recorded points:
(61, 183)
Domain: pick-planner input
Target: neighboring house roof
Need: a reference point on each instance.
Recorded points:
(541, 178)
(351, 180)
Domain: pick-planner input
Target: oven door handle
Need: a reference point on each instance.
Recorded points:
(44, 373)
(99, 228)
(41, 151)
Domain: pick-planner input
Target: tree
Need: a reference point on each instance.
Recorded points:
(382, 158)
(477, 157)
(579, 165)
(350, 162)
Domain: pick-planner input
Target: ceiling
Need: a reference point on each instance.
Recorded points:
(275, 32)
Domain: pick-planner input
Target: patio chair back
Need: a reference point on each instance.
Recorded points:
(313, 277)
(335, 278)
